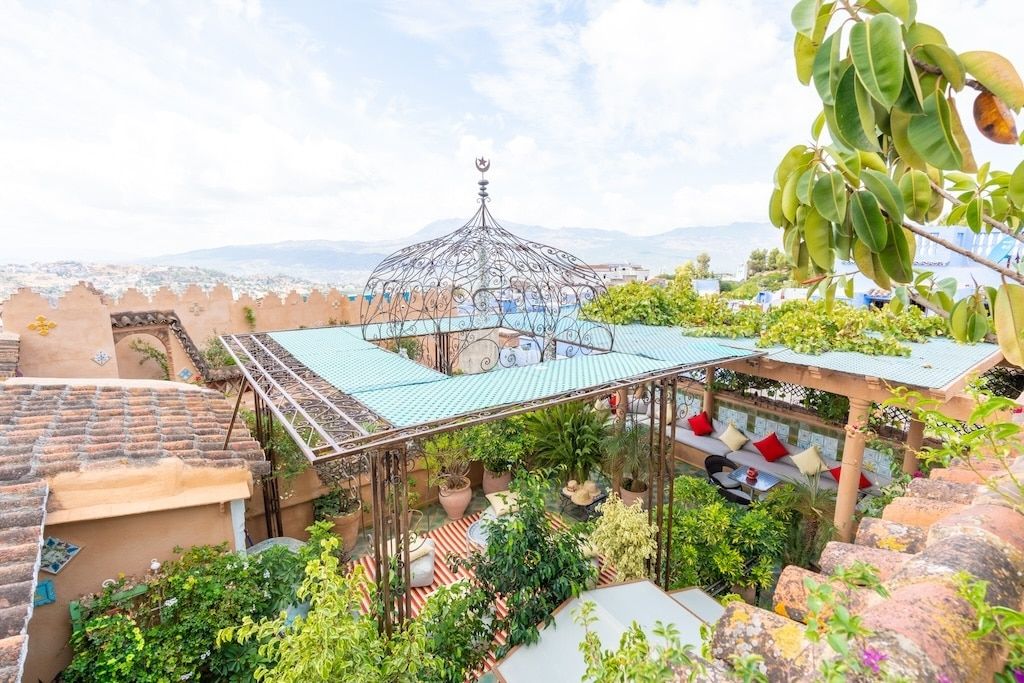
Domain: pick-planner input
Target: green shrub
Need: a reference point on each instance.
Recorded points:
(527, 563)
(168, 632)
(570, 436)
(499, 446)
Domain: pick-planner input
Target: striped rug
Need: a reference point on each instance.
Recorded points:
(451, 538)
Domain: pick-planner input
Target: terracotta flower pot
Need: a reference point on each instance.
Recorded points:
(347, 528)
(455, 501)
(628, 497)
(496, 482)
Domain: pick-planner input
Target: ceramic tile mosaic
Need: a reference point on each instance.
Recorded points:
(876, 461)
(101, 357)
(737, 417)
(56, 554)
(764, 426)
(45, 594)
(185, 374)
(827, 445)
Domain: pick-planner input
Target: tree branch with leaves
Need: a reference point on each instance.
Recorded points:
(890, 161)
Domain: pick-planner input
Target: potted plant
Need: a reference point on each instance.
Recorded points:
(624, 538)
(498, 446)
(342, 506)
(448, 465)
(626, 461)
(569, 436)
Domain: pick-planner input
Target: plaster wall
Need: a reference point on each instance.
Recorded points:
(82, 329)
(112, 546)
(82, 317)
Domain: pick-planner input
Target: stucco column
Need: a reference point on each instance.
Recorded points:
(915, 437)
(709, 394)
(849, 476)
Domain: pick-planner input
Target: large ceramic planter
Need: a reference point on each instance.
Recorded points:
(347, 528)
(496, 482)
(455, 501)
(628, 497)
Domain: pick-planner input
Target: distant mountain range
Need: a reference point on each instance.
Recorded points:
(349, 262)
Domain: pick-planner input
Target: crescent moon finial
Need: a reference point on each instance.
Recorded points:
(483, 165)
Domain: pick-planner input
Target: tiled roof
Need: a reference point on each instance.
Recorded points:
(47, 428)
(21, 530)
(52, 426)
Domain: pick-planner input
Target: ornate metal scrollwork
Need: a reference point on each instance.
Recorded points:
(460, 289)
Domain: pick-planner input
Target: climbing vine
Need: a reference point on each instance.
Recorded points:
(812, 327)
(150, 352)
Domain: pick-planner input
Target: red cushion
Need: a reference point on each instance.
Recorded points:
(771, 448)
(701, 424)
(864, 481)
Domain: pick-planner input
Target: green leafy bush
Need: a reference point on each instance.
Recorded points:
(624, 538)
(529, 564)
(458, 621)
(718, 542)
(334, 642)
(168, 632)
(499, 446)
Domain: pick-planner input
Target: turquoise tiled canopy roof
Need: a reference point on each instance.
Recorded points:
(406, 393)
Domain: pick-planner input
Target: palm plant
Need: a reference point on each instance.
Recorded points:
(808, 510)
(448, 461)
(570, 435)
(627, 457)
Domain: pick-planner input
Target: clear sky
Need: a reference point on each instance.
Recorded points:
(141, 128)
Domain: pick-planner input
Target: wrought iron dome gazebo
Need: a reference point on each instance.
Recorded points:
(460, 289)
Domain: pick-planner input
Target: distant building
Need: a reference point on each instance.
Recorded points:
(621, 273)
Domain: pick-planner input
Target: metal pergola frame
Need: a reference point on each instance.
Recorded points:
(334, 429)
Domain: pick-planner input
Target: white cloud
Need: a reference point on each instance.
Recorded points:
(154, 128)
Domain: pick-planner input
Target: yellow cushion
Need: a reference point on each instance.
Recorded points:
(809, 462)
(503, 502)
(733, 438)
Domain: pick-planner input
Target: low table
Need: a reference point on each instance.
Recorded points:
(582, 512)
(763, 483)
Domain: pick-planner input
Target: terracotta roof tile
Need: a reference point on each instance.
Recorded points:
(21, 530)
(46, 429)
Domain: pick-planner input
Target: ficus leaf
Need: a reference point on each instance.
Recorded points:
(869, 265)
(994, 119)
(775, 214)
(876, 46)
(923, 34)
(911, 94)
(898, 256)
(868, 222)
(804, 50)
(1009, 322)
(854, 114)
(818, 235)
(826, 69)
(829, 196)
(803, 16)
(1015, 190)
(997, 74)
(906, 10)
(916, 192)
(885, 191)
(795, 159)
(789, 198)
(931, 134)
(975, 214)
(960, 135)
(948, 62)
(899, 123)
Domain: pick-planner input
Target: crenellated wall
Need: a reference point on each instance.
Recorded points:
(71, 336)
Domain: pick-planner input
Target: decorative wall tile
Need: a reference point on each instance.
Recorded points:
(185, 374)
(45, 593)
(100, 357)
(42, 325)
(56, 554)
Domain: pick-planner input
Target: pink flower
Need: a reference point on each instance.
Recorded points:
(872, 659)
